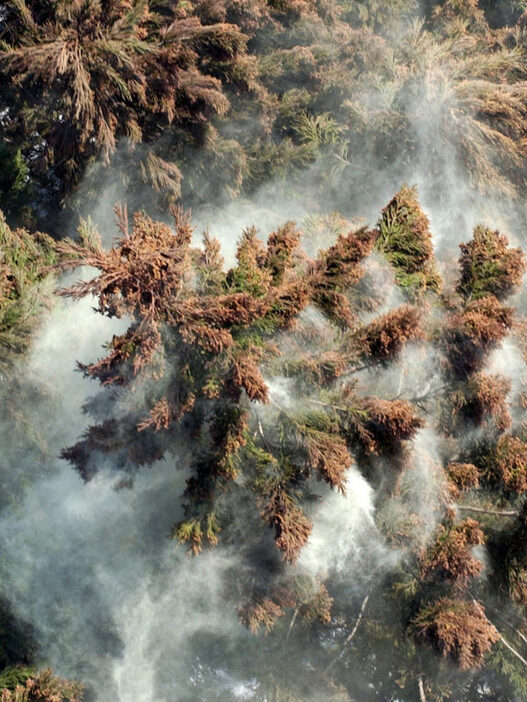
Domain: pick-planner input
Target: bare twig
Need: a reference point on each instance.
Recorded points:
(349, 638)
(507, 644)
(505, 621)
(357, 369)
(291, 625)
(328, 404)
(422, 696)
(427, 395)
(482, 510)
(343, 160)
(513, 651)
(281, 409)
(261, 432)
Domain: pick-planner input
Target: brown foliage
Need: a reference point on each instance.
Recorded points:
(384, 338)
(264, 613)
(239, 308)
(327, 455)
(208, 338)
(472, 333)
(288, 301)
(280, 248)
(100, 71)
(387, 424)
(517, 581)
(159, 418)
(450, 555)
(215, 332)
(481, 399)
(247, 375)
(463, 476)
(290, 526)
(458, 630)
(339, 265)
(138, 277)
(336, 270)
(505, 464)
(319, 370)
(310, 600)
(336, 306)
(219, 338)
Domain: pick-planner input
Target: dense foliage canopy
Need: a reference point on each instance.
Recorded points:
(327, 362)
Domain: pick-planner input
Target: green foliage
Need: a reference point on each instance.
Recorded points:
(406, 242)
(15, 188)
(23, 291)
(195, 531)
(16, 675)
(509, 670)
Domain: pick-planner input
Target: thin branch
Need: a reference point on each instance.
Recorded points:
(328, 404)
(505, 621)
(507, 644)
(358, 369)
(426, 395)
(260, 431)
(481, 510)
(277, 405)
(291, 625)
(340, 158)
(511, 626)
(513, 651)
(422, 696)
(349, 639)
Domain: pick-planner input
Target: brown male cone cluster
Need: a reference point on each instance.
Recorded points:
(202, 341)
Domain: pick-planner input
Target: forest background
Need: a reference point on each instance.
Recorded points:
(330, 417)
